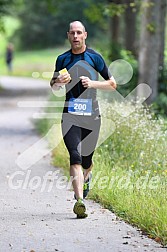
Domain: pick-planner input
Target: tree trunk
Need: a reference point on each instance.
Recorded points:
(114, 24)
(162, 33)
(115, 27)
(149, 47)
(130, 27)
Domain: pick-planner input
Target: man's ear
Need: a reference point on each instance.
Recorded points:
(67, 34)
(86, 34)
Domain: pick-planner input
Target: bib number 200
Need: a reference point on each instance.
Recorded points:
(79, 106)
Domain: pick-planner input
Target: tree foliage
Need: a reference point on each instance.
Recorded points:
(4, 10)
(45, 23)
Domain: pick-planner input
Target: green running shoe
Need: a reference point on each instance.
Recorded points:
(86, 186)
(80, 209)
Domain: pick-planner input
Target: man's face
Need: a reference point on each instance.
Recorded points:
(77, 36)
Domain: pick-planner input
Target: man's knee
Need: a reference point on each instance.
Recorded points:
(75, 157)
(86, 163)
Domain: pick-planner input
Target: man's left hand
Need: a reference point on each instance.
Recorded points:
(86, 82)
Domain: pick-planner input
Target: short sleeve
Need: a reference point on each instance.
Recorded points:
(102, 68)
(57, 67)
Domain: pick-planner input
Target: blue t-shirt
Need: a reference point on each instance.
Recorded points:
(89, 63)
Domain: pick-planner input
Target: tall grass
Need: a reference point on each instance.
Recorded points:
(132, 170)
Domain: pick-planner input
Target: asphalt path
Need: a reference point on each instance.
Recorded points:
(35, 206)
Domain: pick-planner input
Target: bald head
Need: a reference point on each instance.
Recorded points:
(78, 24)
(77, 36)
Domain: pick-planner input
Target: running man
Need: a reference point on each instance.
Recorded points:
(81, 118)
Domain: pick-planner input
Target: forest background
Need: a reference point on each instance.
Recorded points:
(132, 30)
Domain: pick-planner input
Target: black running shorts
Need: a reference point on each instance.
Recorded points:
(80, 134)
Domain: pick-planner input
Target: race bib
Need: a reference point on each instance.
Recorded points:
(80, 106)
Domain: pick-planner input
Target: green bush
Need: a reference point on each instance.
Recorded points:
(160, 104)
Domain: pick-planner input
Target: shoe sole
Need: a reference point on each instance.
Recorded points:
(82, 216)
(80, 209)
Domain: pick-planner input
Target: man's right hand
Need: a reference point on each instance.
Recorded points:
(61, 80)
